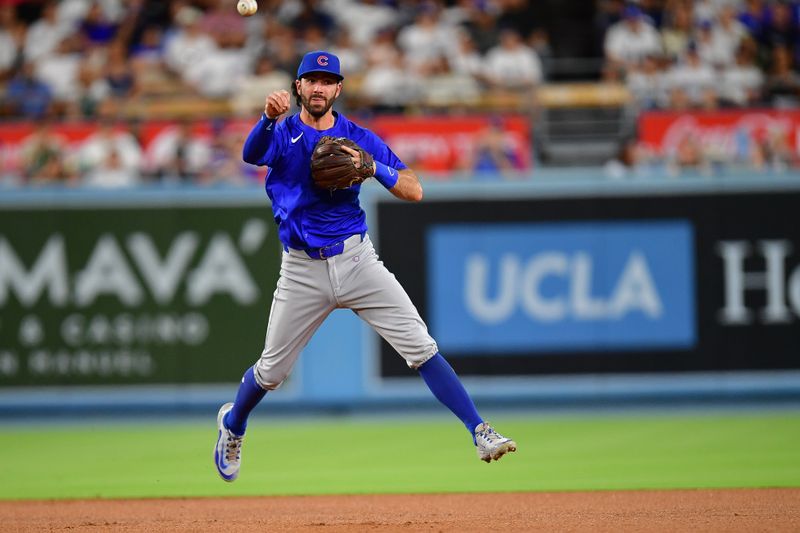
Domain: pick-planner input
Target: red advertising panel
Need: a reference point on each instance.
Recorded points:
(431, 144)
(444, 144)
(146, 144)
(725, 135)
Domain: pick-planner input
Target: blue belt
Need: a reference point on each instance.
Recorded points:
(327, 251)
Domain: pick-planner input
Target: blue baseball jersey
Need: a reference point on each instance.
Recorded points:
(307, 216)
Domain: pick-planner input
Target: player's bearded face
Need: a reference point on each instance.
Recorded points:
(318, 93)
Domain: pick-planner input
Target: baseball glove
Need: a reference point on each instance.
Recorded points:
(332, 168)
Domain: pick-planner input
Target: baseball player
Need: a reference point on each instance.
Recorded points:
(328, 260)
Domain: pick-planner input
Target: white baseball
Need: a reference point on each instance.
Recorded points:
(247, 8)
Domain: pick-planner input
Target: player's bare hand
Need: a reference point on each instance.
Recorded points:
(277, 104)
(355, 155)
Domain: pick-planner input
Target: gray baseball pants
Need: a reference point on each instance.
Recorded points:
(309, 289)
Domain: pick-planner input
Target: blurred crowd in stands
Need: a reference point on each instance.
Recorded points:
(706, 54)
(119, 62)
(72, 57)
(121, 154)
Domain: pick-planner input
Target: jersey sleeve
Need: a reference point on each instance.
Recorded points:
(265, 142)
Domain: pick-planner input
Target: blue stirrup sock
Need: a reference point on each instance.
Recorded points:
(247, 397)
(443, 382)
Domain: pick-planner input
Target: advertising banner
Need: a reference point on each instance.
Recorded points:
(150, 146)
(589, 286)
(725, 135)
(433, 144)
(133, 295)
(441, 144)
(668, 283)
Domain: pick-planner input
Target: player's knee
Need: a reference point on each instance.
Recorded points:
(416, 359)
(269, 379)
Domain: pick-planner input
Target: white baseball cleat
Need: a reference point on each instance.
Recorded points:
(491, 444)
(228, 451)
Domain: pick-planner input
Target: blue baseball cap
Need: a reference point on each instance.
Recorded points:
(319, 61)
(632, 12)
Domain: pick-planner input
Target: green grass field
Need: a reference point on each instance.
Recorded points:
(351, 456)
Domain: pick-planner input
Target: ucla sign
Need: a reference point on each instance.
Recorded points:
(562, 286)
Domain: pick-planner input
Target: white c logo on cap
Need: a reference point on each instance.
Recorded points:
(322, 61)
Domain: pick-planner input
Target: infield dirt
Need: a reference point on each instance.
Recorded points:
(745, 510)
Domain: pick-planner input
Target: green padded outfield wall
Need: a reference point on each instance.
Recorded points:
(134, 295)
